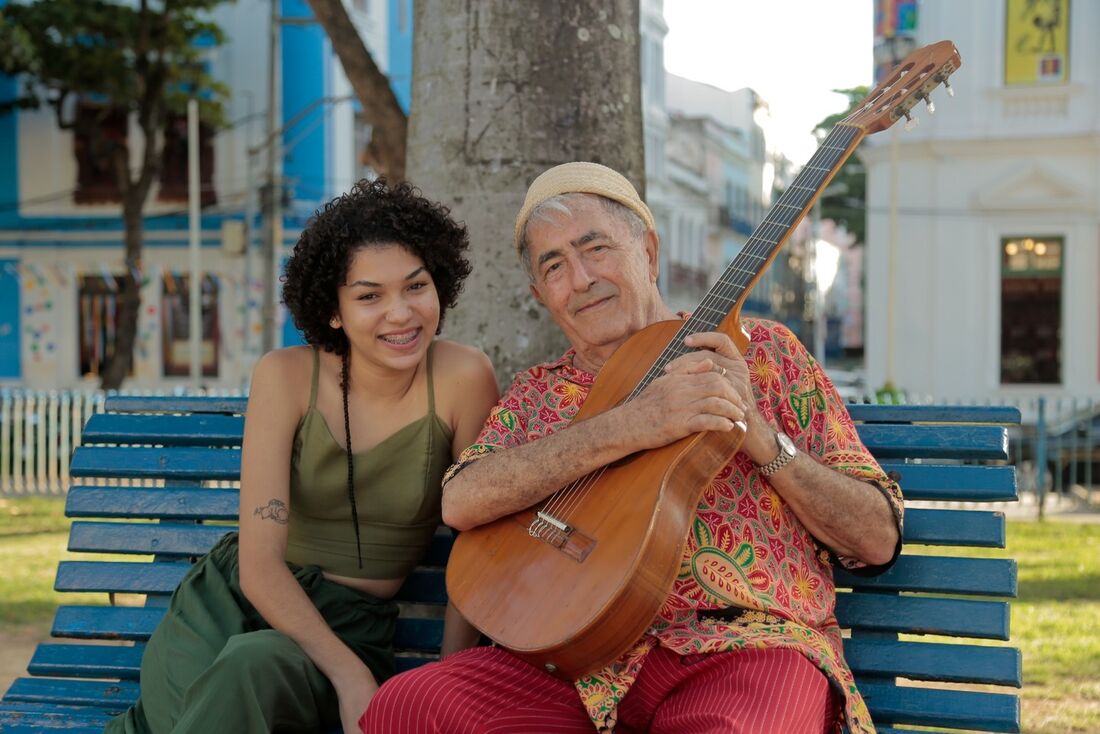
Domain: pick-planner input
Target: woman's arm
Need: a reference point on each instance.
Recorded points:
(472, 391)
(273, 415)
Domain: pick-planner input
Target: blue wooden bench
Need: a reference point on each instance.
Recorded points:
(180, 447)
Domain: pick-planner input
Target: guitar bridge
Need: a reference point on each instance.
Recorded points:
(560, 535)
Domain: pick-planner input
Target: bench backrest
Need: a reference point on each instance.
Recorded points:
(154, 489)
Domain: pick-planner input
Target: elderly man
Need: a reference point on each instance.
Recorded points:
(801, 492)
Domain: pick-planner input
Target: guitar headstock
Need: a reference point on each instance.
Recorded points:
(910, 82)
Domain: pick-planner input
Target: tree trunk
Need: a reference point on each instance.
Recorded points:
(386, 151)
(502, 91)
(129, 293)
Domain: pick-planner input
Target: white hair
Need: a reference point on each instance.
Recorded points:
(560, 205)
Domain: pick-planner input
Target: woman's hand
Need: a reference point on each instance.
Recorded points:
(354, 692)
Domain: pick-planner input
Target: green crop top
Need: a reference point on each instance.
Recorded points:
(397, 494)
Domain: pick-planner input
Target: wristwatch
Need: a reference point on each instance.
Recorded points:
(787, 451)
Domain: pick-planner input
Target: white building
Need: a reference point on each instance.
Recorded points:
(655, 123)
(983, 223)
(61, 233)
(718, 160)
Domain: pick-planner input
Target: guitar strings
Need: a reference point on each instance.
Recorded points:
(760, 247)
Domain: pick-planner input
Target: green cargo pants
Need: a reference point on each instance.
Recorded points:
(214, 665)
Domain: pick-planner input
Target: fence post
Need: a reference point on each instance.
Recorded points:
(52, 443)
(18, 474)
(41, 452)
(1041, 454)
(64, 450)
(1090, 448)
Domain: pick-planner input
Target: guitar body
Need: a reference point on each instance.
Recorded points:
(570, 584)
(570, 614)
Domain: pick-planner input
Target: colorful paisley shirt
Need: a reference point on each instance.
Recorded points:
(747, 549)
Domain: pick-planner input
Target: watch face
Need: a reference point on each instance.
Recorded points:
(785, 443)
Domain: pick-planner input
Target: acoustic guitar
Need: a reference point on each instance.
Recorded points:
(570, 584)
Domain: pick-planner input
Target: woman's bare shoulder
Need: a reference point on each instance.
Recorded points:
(454, 360)
(286, 371)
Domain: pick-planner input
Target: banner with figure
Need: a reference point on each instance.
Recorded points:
(1036, 41)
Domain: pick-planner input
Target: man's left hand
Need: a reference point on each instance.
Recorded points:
(715, 351)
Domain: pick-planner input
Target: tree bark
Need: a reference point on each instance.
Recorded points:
(129, 293)
(386, 150)
(134, 194)
(501, 92)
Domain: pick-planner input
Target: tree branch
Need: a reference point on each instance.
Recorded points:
(380, 107)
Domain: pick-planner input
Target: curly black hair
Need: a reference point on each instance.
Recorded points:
(373, 212)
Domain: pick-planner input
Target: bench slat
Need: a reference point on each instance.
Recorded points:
(955, 527)
(935, 661)
(166, 430)
(998, 712)
(169, 503)
(135, 462)
(162, 577)
(941, 575)
(87, 661)
(955, 482)
(120, 576)
(419, 634)
(106, 623)
(1001, 414)
(174, 404)
(104, 661)
(923, 615)
(180, 504)
(887, 441)
(162, 539)
(117, 696)
(20, 717)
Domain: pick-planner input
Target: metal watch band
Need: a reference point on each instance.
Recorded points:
(766, 470)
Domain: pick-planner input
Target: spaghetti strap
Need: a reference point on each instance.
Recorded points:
(431, 385)
(313, 383)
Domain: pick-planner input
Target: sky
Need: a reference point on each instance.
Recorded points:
(792, 52)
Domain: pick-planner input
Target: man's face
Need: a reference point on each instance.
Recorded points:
(598, 282)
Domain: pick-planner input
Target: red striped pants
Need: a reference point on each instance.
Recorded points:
(486, 690)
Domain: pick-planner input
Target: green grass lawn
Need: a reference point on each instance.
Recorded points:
(1055, 621)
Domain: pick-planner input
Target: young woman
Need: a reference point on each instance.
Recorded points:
(289, 626)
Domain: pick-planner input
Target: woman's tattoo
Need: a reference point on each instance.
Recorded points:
(274, 510)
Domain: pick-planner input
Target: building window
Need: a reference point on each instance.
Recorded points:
(173, 172)
(98, 302)
(176, 326)
(1031, 309)
(97, 132)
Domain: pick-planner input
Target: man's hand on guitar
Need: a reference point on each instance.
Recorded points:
(716, 352)
(694, 395)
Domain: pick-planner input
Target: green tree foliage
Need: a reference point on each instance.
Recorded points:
(845, 199)
(140, 58)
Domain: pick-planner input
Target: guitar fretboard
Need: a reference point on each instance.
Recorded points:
(766, 239)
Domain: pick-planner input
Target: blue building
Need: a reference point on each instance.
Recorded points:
(61, 233)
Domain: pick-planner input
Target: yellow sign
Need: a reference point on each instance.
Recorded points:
(1036, 41)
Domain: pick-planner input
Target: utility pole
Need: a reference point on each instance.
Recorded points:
(272, 196)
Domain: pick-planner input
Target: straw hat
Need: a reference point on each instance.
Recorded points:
(581, 177)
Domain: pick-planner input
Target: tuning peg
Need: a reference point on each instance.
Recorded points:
(930, 105)
(911, 122)
(949, 88)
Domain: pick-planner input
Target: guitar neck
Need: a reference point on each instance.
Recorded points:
(726, 296)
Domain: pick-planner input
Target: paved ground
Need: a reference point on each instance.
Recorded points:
(18, 645)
